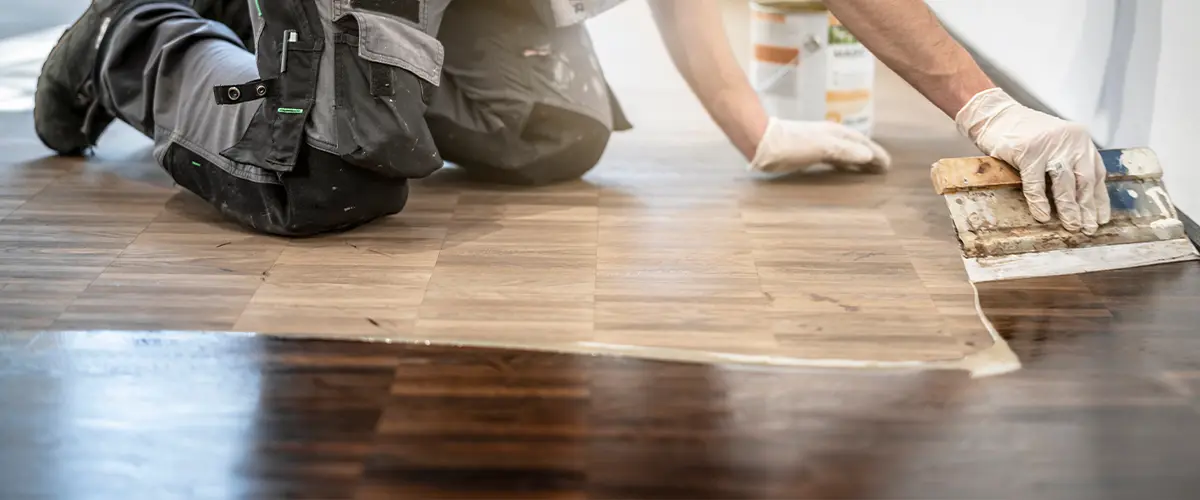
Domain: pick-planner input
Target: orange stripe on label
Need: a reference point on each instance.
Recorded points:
(847, 95)
(777, 55)
(770, 17)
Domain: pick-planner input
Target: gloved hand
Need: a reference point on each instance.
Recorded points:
(790, 146)
(1037, 144)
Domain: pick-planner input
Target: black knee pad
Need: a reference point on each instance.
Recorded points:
(553, 145)
(325, 194)
(566, 145)
(322, 194)
(567, 164)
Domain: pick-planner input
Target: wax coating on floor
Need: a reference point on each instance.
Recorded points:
(1098, 413)
(667, 243)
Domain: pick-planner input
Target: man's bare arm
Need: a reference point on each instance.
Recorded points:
(694, 34)
(906, 36)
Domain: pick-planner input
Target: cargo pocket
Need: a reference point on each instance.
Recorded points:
(386, 71)
(291, 42)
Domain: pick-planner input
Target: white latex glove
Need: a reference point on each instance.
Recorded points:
(1038, 144)
(790, 146)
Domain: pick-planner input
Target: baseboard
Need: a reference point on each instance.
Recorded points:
(1191, 228)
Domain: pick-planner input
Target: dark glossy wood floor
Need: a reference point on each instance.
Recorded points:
(1107, 406)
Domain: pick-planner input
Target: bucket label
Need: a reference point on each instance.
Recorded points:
(807, 66)
(839, 35)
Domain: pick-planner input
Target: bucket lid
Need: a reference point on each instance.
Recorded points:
(792, 5)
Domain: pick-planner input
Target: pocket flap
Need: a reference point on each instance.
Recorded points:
(393, 42)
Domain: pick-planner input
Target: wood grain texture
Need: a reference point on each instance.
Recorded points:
(667, 244)
(1108, 406)
(951, 175)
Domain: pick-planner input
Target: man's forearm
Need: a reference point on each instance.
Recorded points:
(906, 36)
(694, 34)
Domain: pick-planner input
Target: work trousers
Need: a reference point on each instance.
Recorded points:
(321, 124)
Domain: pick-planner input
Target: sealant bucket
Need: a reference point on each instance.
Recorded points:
(807, 66)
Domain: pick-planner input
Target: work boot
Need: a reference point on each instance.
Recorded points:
(65, 113)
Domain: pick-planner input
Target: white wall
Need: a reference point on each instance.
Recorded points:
(1055, 49)
(1126, 68)
(1175, 129)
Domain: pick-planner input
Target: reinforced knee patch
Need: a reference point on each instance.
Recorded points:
(381, 68)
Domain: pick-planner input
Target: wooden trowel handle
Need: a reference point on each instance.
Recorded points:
(952, 175)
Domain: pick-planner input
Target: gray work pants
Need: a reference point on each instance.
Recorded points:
(321, 127)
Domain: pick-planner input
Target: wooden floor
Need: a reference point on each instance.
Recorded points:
(1099, 412)
(668, 244)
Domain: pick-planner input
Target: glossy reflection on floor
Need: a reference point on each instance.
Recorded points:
(1106, 407)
